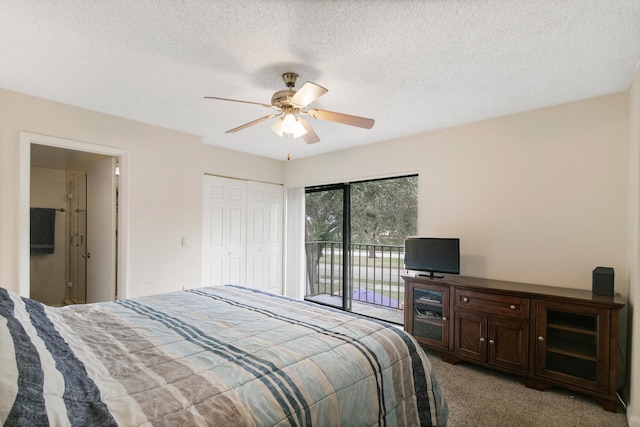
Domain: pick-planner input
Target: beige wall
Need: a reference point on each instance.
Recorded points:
(536, 197)
(165, 186)
(234, 164)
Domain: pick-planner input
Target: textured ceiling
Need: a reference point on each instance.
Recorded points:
(413, 66)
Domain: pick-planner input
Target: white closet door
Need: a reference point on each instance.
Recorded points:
(264, 236)
(224, 231)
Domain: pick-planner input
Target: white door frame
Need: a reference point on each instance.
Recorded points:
(24, 172)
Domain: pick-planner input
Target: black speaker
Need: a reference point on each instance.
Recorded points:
(602, 281)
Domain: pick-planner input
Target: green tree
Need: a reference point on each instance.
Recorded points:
(323, 223)
(324, 216)
(384, 212)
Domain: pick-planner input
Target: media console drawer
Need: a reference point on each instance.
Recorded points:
(486, 302)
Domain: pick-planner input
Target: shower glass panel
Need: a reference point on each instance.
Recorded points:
(77, 237)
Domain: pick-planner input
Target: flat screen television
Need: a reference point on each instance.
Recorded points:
(430, 255)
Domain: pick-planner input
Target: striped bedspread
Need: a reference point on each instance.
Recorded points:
(226, 356)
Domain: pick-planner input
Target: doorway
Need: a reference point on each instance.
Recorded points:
(74, 164)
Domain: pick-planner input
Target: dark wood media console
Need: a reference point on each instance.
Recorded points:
(546, 335)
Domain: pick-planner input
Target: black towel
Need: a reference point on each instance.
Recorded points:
(43, 228)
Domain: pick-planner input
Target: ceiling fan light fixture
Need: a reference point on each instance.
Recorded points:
(298, 129)
(288, 123)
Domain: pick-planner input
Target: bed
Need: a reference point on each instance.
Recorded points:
(223, 355)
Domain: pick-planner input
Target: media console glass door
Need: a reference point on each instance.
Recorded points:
(572, 344)
(429, 318)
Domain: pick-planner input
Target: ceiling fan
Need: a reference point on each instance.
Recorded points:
(292, 107)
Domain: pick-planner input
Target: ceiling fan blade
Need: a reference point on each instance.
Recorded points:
(244, 102)
(310, 137)
(308, 93)
(346, 119)
(255, 122)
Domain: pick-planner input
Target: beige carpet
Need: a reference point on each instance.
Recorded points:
(480, 397)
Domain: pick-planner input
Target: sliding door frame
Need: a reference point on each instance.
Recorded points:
(347, 284)
(346, 237)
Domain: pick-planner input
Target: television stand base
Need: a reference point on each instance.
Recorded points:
(430, 275)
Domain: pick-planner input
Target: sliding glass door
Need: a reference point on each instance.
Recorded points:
(326, 232)
(355, 244)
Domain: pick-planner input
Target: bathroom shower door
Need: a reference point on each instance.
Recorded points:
(76, 230)
(101, 230)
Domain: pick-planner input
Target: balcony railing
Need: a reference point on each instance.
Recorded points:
(374, 275)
